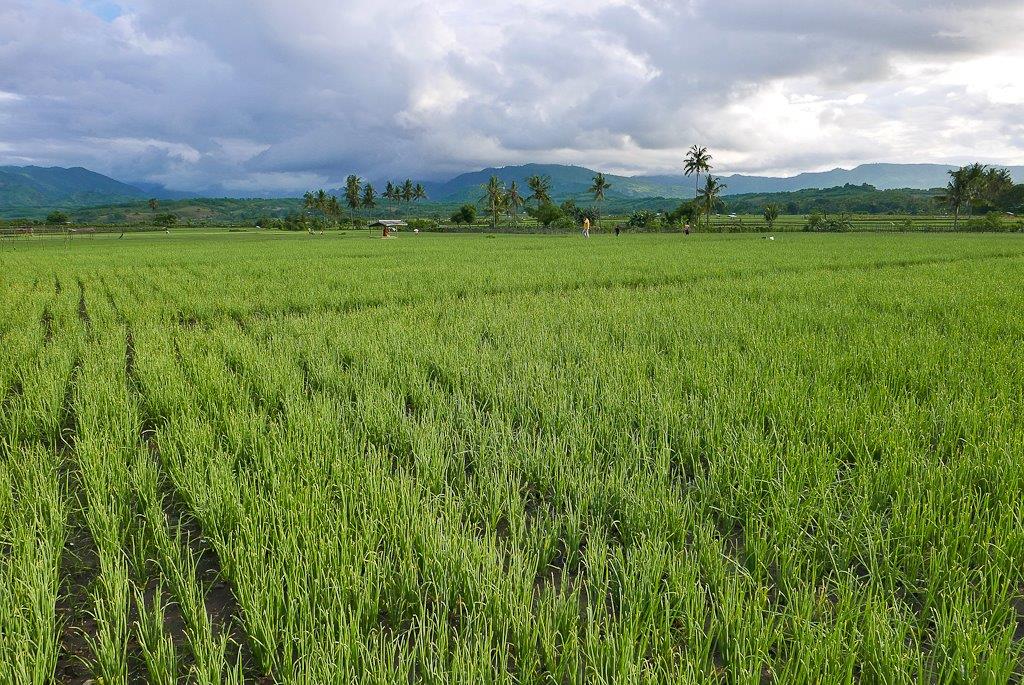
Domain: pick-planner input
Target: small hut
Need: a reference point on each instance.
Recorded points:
(387, 226)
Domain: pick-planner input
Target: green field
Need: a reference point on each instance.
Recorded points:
(270, 457)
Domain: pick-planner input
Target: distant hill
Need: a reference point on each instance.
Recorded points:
(881, 176)
(32, 191)
(573, 181)
(37, 187)
(566, 182)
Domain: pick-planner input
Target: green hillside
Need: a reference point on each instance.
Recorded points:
(567, 182)
(32, 187)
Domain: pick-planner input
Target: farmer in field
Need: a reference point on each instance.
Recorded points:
(586, 227)
(686, 229)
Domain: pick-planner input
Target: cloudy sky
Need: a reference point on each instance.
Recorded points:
(250, 95)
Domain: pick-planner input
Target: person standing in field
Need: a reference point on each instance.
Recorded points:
(686, 229)
(586, 227)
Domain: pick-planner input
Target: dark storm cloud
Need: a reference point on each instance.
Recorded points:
(267, 94)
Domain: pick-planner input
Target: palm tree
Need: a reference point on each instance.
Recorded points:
(975, 179)
(771, 214)
(353, 190)
(540, 189)
(309, 203)
(957, 194)
(391, 193)
(321, 203)
(419, 192)
(369, 197)
(598, 190)
(332, 209)
(494, 199)
(513, 201)
(995, 183)
(698, 160)
(408, 191)
(153, 203)
(711, 196)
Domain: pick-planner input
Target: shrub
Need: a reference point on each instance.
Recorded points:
(57, 219)
(564, 223)
(165, 220)
(818, 222)
(294, 222)
(546, 214)
(644, 219)
(685, 213)
(991, 222)
(422, 224)
(465, 215)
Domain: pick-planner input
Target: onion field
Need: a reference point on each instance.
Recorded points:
(264, 457)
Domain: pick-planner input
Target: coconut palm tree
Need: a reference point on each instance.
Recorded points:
(711, 196)
(369, 200)
(698, 160)
(353, 192)
(419, 192)
(974, 176)
(319, 201)
(771, 214)
(995, 183)
(494, 199)
(332, 209)
(598, 189)
(540, 189)
(389, 192)
(513, 202)
(957, 194)
(408, 191)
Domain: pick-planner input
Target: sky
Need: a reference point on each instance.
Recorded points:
(250, 96)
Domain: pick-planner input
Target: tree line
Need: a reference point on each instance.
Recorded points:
(499, 200)
(972, 189)
(323, 210)
(980, 188)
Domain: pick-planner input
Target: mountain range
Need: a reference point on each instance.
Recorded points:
(573, 181)
(33, 188)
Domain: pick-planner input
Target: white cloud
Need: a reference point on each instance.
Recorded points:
(270, 94)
